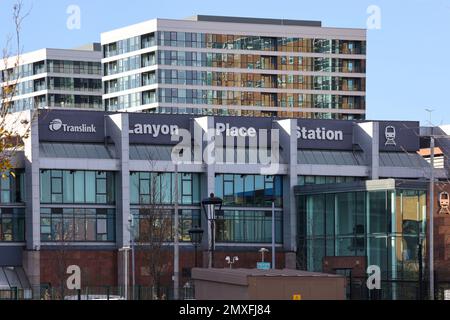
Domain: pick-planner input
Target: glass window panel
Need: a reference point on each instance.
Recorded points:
(68, 228)
(345, 213)
(90, 187)
(90, 228)
(377, 212)
(101, 186)
(249, 189)
(166, 188)
(57, 229)
(79, 187)
(377, 253)
(329, 214)
(68, 187)
(134, 188)
(45, 186)
(410, 206)
(344, 247)
(80, 228)
(196, 188)
(101, 226)
(239, 189)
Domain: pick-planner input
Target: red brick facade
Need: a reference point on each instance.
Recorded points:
(100, 268)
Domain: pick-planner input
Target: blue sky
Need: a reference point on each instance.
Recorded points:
(406, 69)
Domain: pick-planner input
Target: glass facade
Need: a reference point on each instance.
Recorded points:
(254, 80)
(152, 196)
(149, 221)
(12, 210)
(385, 226)
(241, 190)
(77, 187)
(22, 71)
(159, 188)
(12, 224)
(75, 101)
(239, 42)
(77, 225)
(70, 223)
(12, 188)
(249, 226)
(129, 45)
(74, 67)
(56, 83)
(240, 222)
(335, 91)
(74, 84)
(259, 62)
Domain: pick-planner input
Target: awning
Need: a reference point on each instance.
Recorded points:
(330, 157)
(13, 277)
(76, 150)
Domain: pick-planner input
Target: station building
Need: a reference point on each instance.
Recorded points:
(347, 194)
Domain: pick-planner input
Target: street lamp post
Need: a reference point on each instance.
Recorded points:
(132, 243)
(272, 199)
(212, 206)
(196, 235)
(231, 260)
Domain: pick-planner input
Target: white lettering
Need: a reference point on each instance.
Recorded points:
(234, 131)
(319, 134)
(155, 129)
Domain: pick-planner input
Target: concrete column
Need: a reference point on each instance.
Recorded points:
(288, 143)
(31, 262)
(32, 175)
(31, 254)
(117, 127)
(204, 138)
(367, 136)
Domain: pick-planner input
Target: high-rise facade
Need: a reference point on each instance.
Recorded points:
(53, 78)
(236, 66)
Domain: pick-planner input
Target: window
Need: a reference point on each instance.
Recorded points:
(12, 224)
(249, 190)
(149, 222)
(158, 188)
(77, 225)
(248, 226)
(72, 186)
(12, 188)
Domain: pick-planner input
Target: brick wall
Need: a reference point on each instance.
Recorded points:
(98, 268)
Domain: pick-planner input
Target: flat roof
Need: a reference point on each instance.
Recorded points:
(240, 276)
(280, 22)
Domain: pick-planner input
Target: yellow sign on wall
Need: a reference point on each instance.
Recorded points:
(297, 296)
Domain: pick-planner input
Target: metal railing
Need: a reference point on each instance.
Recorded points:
(96, 293)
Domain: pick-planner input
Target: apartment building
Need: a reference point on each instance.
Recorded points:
(54, 78)
(236, 66)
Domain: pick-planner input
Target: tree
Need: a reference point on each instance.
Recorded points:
(155, 231)
(13, 128)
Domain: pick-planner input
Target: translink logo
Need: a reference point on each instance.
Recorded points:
(57, 124)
